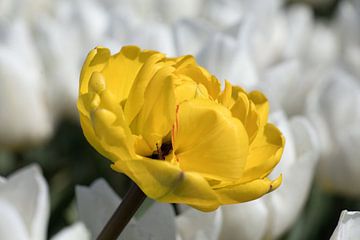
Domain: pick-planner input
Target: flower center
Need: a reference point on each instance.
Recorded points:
(162, 152)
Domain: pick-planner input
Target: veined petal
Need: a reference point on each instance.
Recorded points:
(166, 182)
(265, 152)
(208, 140)
(247, 191)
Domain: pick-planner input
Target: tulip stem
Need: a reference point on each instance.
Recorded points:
(123, 214)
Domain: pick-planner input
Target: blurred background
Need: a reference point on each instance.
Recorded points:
(304, 54)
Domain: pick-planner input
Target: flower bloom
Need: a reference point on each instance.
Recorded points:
(166, 124)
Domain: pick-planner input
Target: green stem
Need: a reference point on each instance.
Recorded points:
(123, 214)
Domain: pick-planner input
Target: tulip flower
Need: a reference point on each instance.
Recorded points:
(348, 227)
(165, 123)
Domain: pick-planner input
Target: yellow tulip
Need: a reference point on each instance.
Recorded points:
(166, 124)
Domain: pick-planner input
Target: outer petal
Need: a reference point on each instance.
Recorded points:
(265, 152)
(208, 140)
(165, 182)
(247, 191)
(107, 138)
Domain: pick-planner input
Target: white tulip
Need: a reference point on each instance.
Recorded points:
(24, 205)
(348, 227)
(334, 109)
(24, 114)
(276, 212)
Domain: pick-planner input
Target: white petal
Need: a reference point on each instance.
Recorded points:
(224, 13)
(224, 57)
(348, 227)
(11, 224)
(96, 205)
(172, 10)
(300, 21)
(239, 221)
(59, 46)
(281, 81)
(153, 35)
(191, 35)
(334, 109)
(193, 224)
(158, 221)
(77, 231)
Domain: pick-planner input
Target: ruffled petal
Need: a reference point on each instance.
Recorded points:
(265, 152)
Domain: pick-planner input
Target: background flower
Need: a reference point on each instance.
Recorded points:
(348, 227)
(24, 205)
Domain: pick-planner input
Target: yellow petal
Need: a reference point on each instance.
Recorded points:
(95, 62)
(247, 191)
(208, 140)
(225, 97)
(157, 115)
(265, 152)
(166, 182)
